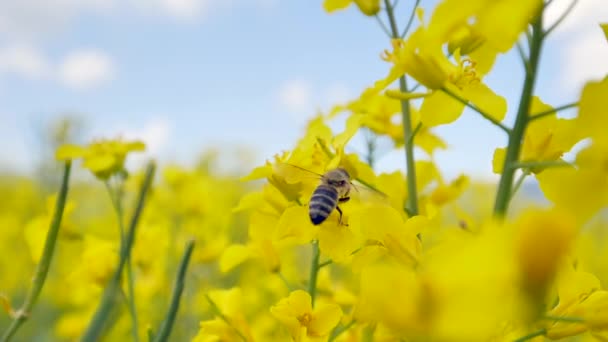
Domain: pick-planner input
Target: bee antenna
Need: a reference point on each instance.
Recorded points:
(354, 186)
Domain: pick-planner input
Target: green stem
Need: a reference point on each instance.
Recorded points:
(561, 18)
(42, 269)
(410, 21)
(314, 271)
(530, 336)
(416, 130)
(339, 330)
(516, 135)
(223, 317)
(477, 109)
(564, 319)
(99, 323)
(412, 198)
(537, 116)
(116, 199)
(371, 148)
(167, 326)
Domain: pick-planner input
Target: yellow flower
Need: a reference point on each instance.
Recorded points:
(543, 240)
(498, 22)
(546, 139)
(387, 234)
(422, 58)
(566, 186)
(574, 288)
(592, 117)
(103, 158)
(303, 322)
(229, 324)
(368, 7)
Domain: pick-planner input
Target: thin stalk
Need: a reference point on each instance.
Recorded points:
(314, 272)
(537, 116)
(371, 148)
(516, 135)
(522, 55)
(530, 336)
(178, 289)
(116, 199)
(410, 21)
(339, 330)
(42, 270)
(561, 18)
(564, 319)
(519, 182)
(382, 25)
(477, 109)
(412, 198)
(99, 322)
(416, 130)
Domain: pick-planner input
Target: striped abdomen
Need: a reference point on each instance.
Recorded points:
(323, 201)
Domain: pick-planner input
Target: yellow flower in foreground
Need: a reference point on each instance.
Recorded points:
(566, 186)
(543, 240)
(592, 118)
(103, 158)
(304, 323)
(229, 324)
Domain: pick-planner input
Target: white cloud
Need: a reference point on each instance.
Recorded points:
(24, 61)
(337, 93)
(85, 69)
(295, 96)
(583, 50)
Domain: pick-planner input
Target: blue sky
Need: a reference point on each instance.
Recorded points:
(187, 75)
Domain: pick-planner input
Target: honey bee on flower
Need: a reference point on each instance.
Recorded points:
(334, 188)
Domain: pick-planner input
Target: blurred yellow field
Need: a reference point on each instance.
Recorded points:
(318, 243)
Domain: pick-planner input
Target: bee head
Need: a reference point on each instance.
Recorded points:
(337, 177)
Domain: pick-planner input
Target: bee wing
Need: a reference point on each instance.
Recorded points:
(367, 191)
(295, 174)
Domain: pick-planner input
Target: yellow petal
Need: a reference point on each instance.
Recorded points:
(249, 201)
(485, 99)
(337, 242)
(592, 110)
(100, 163)
(258, 172)
(68, 151)
(605, 29)
(439, 108)
(295, 225)
(233, 256)
(368, 7)
(334, 5)
(136, 146)
(352, 125)
(324, 319)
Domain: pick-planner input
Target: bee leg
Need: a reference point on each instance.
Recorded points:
(340, 220)
(344, 199)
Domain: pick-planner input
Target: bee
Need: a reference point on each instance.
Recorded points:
(334, 188)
